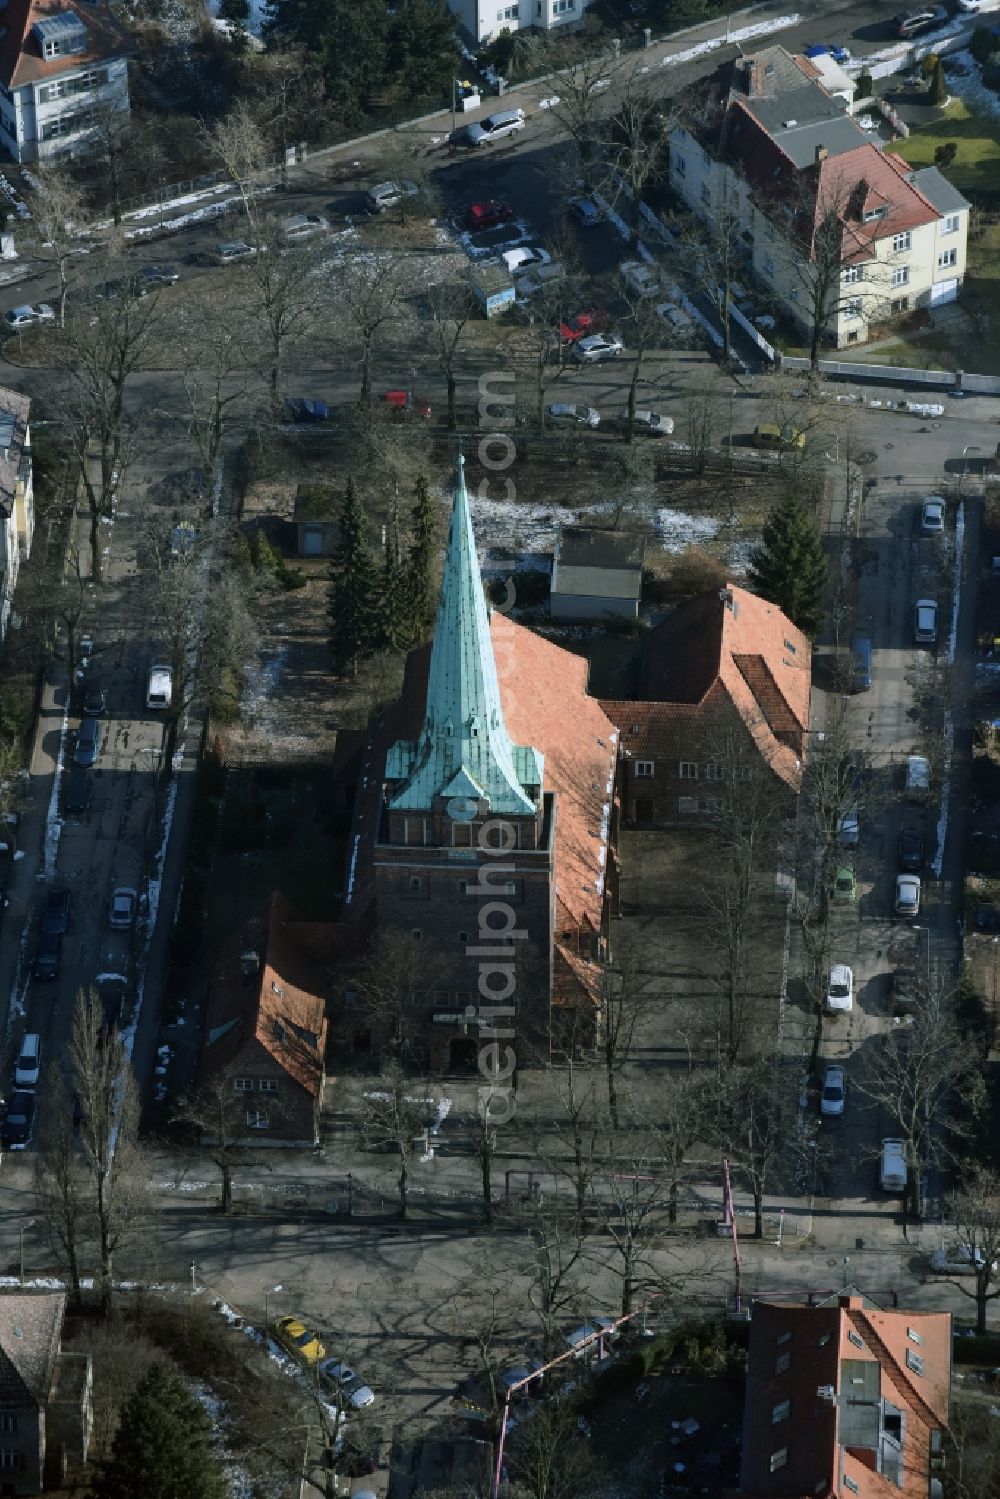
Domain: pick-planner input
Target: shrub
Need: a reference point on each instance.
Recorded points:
(865, 85)
(697, 571)
(195, 1336)
(978, 1350)
(945, 155)
(983, 43)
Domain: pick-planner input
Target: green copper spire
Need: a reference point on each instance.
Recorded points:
(464, 751)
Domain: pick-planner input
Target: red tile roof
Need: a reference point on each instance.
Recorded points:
(282, 1006)
(863, 181)
(723, 646)
(21, 59)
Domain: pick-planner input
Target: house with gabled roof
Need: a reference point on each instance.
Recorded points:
(845, 1400)
(721, 661)
(266, 1026)
(834, 227)
(62, 63)
(46, 1408)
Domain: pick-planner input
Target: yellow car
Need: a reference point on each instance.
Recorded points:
(298, 1339)
(770, 435)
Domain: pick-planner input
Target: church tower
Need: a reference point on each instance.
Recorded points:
(463, 859)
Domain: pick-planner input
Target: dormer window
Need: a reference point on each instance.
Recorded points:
(61, 34)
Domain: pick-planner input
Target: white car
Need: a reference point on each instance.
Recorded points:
(976, 7)
(596, 348)
(675, 317)
(907, 895)
(302, 225)
(831, 1103)
(653, 423)
(343, 1378)
(959, 1259)
(521, 257)
(564, 415)
(925, 618)
(932, 515)
(27, 317)
(122, 909)
(840, 989)
(640, 279)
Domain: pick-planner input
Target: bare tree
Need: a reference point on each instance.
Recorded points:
(451, 308)
(60, 1182)
(556, 1284)
(914, 1073)
(628, 998)
(683, 1117)
(288, 100)
(216, 1113)
(116, 1184)
(215, 383)
(285, 299)
(550, 1458)
(569, 1145)
(240, 143)
(757, 1124)
(100, 352)
(645, 330)
(712, 254)
(637, 149)
(975, 1209)
(59, 219)
(369, 290)
(393, 1121)
(582, 108)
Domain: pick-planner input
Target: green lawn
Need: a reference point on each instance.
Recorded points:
(977, 165)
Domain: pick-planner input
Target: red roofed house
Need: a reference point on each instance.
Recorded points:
(484, 829)
(265, 1028)
(845, 1400)
(60, 61)
(726, 659)
(830, 222)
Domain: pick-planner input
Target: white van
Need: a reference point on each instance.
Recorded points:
(918, 775)
(160, 687)
(28, 1062)
(496, 127)
(892, 1166)
(388, 195)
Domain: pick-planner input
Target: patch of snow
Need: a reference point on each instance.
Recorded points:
(440, 1114)
(742, 34)
(676, 530)
(970, 87)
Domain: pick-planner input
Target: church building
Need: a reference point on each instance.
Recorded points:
(484, 827)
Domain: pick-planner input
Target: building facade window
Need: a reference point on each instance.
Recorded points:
(643, 769)
(257, 1119)
(461, 834)
(416, 884)
(415, 831)
(850, 1483)
(951, 223)
(9, 1459)
(781, 1412)
(900, 275)
(853, 308)
(852, 275)
(687, 770)
(948, 257)
(914, 1362)
(243, 1084)
(901, 242)
(782, 1363)
(687, 806)
(779, 1459)
(852, 1337)
(900, 304)
(268, 1085)
(713, 771)
(8, 1421)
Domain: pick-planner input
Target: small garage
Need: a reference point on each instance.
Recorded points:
(317, 530)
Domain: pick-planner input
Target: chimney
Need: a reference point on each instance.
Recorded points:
(726, 597)
(821, 154)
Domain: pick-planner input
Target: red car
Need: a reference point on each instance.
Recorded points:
(485, 215)
(583, 324)
(405, 403)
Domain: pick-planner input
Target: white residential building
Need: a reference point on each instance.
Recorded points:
(780, 160)
(481, 20)
(60, 62)
(17, 503)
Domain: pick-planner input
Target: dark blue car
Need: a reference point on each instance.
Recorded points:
(301, 409)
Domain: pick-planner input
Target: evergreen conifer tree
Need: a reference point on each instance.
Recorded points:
(394, 620)
(354, 627)
(788, 567)
(939, 87)
(420, 569)
(162, 1449)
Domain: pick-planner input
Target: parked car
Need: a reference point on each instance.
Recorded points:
(488, 213)
(840, 989)
(892, 1173)
(849, 831)
(526, 286)
(305, 409)
(403, 403)
(596, 348)
(861, 662)
(959, 1259)
(151, 276)
(652, 422)
(341, 1377)
(303, 225)
(675, 318)
(293, 1333)
(925, 621)
(48, 957)
(29, 1061)
(564, 415)
(95, 699)
(159, 687)
(907, 895)
(828, 49)
(76, 797)
(902, 992)
(88, 743)
(583, 324)
(522, 257)
(910, 851)
(122, 907)
(932, 515)
(916, 21)
(17, 1125)
(496, 127)
(58, 905)
(19, 318)
(585, 211)
(976, 7)
(783, 439)
(232, 250)
(844, 885)
(833, 1097)
(389, 195)
(642, 280)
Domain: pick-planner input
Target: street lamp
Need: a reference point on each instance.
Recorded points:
(269, 1291)
(20, 1246)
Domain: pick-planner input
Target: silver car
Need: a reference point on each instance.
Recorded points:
(344, 1380)
(653, 423)
(121, 911)
(596, 348)
(925, 621)
(562, 415)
